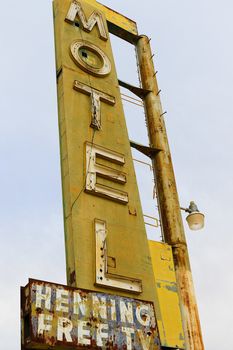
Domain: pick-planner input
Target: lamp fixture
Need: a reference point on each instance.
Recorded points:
(195, 219)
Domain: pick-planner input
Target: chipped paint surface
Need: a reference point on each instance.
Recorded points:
(168, 307)
(58, 316)
(98, 176)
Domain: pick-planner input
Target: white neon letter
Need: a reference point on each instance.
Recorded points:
(113, 310)
(83, 333)
(126, 312)
(43, 296)
(145, 339)
(99, 307)
(87, 24)
(42, 325)
(96, 97)
(80, 304)
(102, 278)
(64, 327)
(128, 333)
(145, 310)
(100, 334)
(61, 299)
(93, 169)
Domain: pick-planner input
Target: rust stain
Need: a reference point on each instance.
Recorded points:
(94, 318)
(168, 197)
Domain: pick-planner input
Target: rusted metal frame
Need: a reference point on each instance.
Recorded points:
(122, 33)
(171, 219)
(35, 341)
(118, 24)
(26, 324)
(144, 163)
(146, 150)
(134, 89)
(157, 221)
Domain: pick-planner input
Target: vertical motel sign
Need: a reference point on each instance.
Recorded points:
(121, 291)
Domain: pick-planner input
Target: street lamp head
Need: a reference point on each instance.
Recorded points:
(195, 219)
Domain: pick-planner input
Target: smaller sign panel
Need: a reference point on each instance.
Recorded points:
(61, 317)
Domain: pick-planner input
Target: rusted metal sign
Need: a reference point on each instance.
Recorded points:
(62, 317)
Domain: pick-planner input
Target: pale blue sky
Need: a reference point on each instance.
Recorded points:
(192, 42)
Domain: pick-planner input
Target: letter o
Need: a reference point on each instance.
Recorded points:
(90, 58)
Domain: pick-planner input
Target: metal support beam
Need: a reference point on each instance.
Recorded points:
(146, 150)
(134, 89)
(168, 198)
(118, 24)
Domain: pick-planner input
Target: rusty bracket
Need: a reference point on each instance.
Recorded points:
(134, 89)
(121, 33)
(148, 151)
(118, 24)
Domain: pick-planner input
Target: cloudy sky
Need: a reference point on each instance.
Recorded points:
(192, 42)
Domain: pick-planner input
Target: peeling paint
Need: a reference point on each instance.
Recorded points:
(61, 316)
(171, 288)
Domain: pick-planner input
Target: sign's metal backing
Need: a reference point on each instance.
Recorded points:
(61, 317)
(170, 322)
(106, 242)
(107, 252)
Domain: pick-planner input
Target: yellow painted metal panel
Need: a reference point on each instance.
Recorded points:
(126, 240)
(169, 323)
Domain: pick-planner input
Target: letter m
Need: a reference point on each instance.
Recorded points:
(87, 24)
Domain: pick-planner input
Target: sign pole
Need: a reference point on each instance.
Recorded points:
(172, 225)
